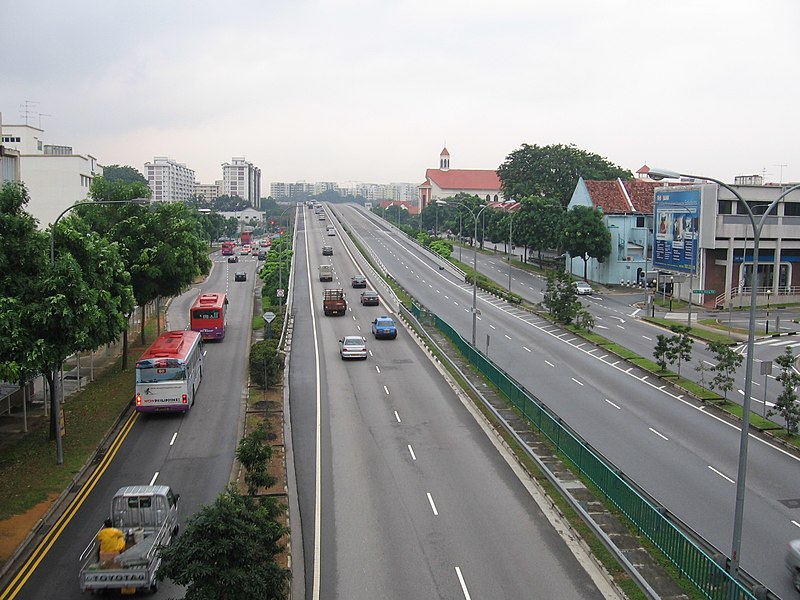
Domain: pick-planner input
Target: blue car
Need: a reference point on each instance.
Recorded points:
(384, 327)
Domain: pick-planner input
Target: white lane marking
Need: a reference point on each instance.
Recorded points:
(576, 381)
(526, 349)
(377, 368)
(795, 523)
(463, 584)
(663, 437)
(508, 337)
(710, 363)
(354, 317)
(370, 352)
(601, 326)
(620, 326)
(358, 327)
(649, 339)
(411, 450)
(172, 441)
(547, 362)
(721, 474)
(153, 480)
(433, 506)
(612, 404)
(386, 389)
(492, 326)
(396, 416)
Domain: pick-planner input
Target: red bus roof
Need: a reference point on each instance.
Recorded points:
(172, 344)
(211, 300)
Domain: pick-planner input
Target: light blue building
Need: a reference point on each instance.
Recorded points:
(627, 207)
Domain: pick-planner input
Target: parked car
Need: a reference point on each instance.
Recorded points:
(240, 276)
(353, 346)
(327, 251)
(233, 258)
(358, 281)
(369, 298)
(384, 327)
(582, 288)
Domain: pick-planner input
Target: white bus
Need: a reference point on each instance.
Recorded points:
(169, 373)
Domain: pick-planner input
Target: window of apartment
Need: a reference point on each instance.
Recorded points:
(725, 207)
(640, 220)
(791, 209)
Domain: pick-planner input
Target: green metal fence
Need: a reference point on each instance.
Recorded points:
(709, 577)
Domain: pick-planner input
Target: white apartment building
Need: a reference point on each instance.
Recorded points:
(168, 180)
(54, 177)
(208, 191)
(241, 178)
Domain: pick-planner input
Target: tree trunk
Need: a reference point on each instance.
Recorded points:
(52, 380)
(585, 268)
(142, 326)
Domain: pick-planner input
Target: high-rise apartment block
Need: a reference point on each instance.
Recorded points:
(208, 192)
(169, 181)
(241, 178)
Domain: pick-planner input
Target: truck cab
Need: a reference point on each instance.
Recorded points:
(326, 272)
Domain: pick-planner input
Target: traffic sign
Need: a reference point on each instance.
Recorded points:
(269, 317)
(704, 291)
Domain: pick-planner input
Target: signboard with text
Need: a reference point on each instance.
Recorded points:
(677, 218)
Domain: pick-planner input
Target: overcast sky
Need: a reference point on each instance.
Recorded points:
(370, 90)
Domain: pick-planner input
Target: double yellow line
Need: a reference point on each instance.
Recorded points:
(36, 557)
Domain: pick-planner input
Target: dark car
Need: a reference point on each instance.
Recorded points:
(369, 298)
(240, 276)
(233, 258)
(327, 251)
(358, 281)
(262, 254)
(384, 327)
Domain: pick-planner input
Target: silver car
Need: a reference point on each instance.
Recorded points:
(582, 288)
(353, 346)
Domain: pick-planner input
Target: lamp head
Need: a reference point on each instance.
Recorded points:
(658, 174)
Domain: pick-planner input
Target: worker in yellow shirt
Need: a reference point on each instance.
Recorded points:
(112, 541)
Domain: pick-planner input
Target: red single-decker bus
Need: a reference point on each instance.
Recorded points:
(228, 248)
(208, 315)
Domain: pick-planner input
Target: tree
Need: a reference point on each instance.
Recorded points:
(540, 224)
(786, 402)
(725, 369)
(586, 236)
(228, 551)
(126, 175)
(254, 452)
(560, 297)
(163, 252)
(266, 363)
(660, 351)
(552, 171)
(679, 347)
(118, 189)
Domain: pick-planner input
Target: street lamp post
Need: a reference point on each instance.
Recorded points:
(56, 402)
(510, 225)
(748, 377)
(280, 253)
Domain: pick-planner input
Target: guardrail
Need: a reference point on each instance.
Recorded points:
(696, 559)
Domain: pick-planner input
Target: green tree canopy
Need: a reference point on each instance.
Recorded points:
(586, 235)
(552, 171)
(125, 175)
(539, 223)
(228, 551)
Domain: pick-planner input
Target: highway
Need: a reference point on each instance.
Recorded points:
(681, 454)
(192, 453)
(402, 493)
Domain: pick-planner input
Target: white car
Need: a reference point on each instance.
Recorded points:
(353, 346)
(582, 288)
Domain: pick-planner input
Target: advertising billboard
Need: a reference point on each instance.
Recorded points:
(677, 217)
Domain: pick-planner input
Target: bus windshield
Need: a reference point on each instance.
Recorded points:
(153, 371)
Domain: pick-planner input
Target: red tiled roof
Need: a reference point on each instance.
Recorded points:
(641, 194)
(465, 179)
(611, 197)
(444, 152)
(644, 170)
(425, 184)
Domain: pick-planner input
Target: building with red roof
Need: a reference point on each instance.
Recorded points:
(445, 182)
